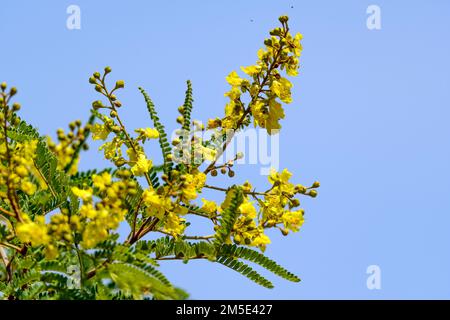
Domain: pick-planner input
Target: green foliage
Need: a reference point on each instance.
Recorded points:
(56, 182)
(227, 251)
(245, 270)
(229, 216)
(187, 107)
(163, 141)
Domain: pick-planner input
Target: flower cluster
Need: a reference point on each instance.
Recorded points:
(98, 217)
(135, 157)
(267, 87)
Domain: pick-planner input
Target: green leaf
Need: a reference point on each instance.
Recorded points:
(163, 142)
(258, 258)
(245, 270)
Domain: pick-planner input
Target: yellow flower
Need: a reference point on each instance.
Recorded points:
(155, 203)
(101, 181)
(282, 177)
(209, 206)
(112, 149)
(282, 89)
(251, 70)
(88, 211)
(142, 165)
(28, 187)
(234, 79)
(261, 241)
(148, 133)
(33, 231)
(174, 224)
(99, 132)
(85, 195)
(247, 209)
(293, 220)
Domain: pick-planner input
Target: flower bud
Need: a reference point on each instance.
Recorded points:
(295, 203)
(92, 80)
(214, 172)
(312, 193)
(96, 75)
(12, 91)
(283, 19)
(97, 105)
(98, 88)
(180, 119)
(223, 170)
(113, 114)
(120, 162)
(3, 85)
(16, 106)
(239, 155)
(107, 70)
(117, 104)
(120, 84)
(231, 173)
(316, 184)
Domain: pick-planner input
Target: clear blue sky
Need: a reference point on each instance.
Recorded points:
(370, 120)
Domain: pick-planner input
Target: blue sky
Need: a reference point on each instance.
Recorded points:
(369, 120)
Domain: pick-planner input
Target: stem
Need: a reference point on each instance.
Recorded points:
(226, 190)
(11, 246)
(7, 212)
